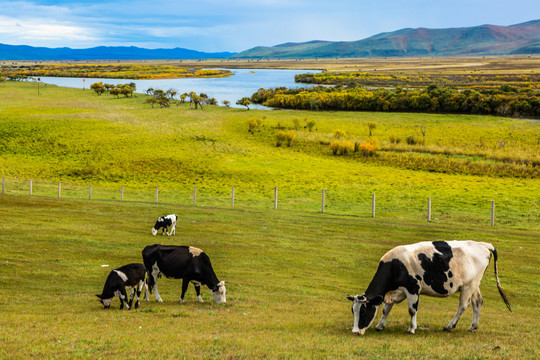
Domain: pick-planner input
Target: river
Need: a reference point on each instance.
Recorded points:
(244, 82)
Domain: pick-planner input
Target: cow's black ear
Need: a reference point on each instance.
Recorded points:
(376, 301)
(350, 297)
(99, 297)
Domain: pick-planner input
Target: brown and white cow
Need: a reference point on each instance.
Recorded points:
(439, 269)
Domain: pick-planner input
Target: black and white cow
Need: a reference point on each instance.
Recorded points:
(132, 276)
(163, 222)
(439, 268)
(182, 262)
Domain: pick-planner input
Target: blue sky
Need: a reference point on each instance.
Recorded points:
(236, 25)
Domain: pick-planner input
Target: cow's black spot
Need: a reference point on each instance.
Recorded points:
(435, 268)
(418, 277)
(390, 276)
(450, 274)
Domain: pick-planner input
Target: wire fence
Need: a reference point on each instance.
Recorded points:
(471, 211)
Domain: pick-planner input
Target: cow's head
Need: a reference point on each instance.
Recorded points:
(364, 311)
(218, 292)
(158, 225)
(106, 302)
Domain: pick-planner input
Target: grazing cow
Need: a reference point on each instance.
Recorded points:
(439, 268)
(163, 222)
(182, 262)
(132, 276)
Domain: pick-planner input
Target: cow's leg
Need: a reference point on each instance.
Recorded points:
(123, 298)
(185, 284)
(476, 302)
(155, 273)
(198, 291)
(173, 229)
(412, 300)
(386, 311)
(131, 295)
(138, 289)
(464, 302)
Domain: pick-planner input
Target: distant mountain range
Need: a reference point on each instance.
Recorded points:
(23, 52)
(478, 40)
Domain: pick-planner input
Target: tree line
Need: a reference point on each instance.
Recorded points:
(504, 101)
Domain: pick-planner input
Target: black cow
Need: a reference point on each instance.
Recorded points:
(132, 276)
(163, 222)
(439, 269)
(182, 262)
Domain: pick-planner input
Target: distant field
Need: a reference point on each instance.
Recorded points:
(288, 274)
(80, 139)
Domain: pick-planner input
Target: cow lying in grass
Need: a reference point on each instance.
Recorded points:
(132, 276)
(439, 269)
(163, 222)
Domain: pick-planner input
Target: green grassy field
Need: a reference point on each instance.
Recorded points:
(81, 139)
(290, 269)
(288, 274)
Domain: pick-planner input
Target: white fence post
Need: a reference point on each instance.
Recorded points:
(3, 185)
(373, 205)
(492, 212)
(30, 187)
(194, 195)
(275, 197)
(429, 209)
(322, 201)
(90, 192)
(232, 197)
(59, 189)
(157, 191)
(122, 193)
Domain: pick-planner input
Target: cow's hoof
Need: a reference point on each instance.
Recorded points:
(379, 328)
(410, 331)
(181, 300)
(472, 329)
(446, 328)
(159, 300)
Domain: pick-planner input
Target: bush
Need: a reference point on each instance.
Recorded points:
(413, 140)
(338, 134)
(310, 124)
(296, 123)
(394, 139)
(252, 124)
(341, 147)
(285, 136)
(367, 148)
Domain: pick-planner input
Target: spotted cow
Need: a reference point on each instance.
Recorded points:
(163, 222)
(439, 269)
(182, 262)
(132, 276)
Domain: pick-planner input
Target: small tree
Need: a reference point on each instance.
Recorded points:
(296, 123)
(98, 88)
(227, 103)
(171, 93)
(371, 126)
(115, 91)
(244, 102)
(338, 134)
(152, 101)
(310, 124)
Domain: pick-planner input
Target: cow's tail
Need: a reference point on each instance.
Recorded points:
(499, 287)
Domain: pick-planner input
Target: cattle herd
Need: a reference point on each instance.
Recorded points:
(438, 269)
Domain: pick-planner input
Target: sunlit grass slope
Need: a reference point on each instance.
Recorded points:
(288, 274)
(78, 138)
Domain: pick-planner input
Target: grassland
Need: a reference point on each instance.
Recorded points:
(288, 274)
(78, 138)
(288, 269)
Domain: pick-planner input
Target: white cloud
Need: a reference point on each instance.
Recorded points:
(41, 32)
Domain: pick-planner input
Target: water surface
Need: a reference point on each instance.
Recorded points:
(244, 82)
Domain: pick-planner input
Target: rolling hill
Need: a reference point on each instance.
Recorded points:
(23, 52)
(522, 38)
